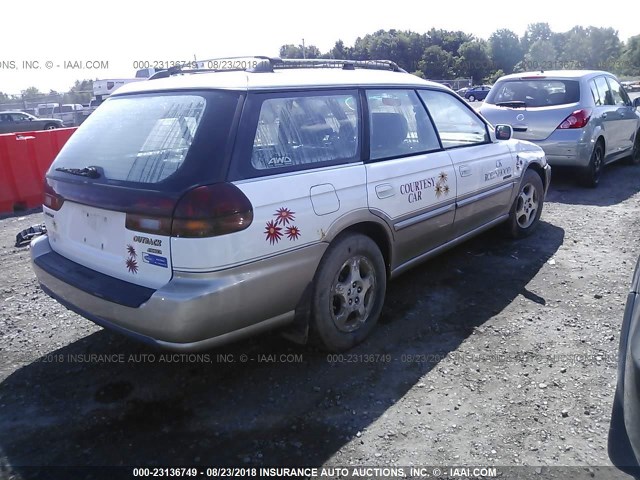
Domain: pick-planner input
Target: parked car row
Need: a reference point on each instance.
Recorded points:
(632, 86)
(16, 121)
(479, 92)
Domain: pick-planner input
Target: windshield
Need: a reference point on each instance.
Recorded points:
(136, 138)
(534, 93)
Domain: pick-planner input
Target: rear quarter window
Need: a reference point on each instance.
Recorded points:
(290, 131)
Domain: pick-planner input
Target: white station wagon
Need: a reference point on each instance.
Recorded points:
(202, 206)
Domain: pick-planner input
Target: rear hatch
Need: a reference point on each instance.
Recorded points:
(111, 193)
(534, 107)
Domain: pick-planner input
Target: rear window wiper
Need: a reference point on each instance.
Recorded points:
(91, 172)
(512, 104)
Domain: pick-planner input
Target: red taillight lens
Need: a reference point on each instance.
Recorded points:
(50, 198)
(212, 210)
(577, 119)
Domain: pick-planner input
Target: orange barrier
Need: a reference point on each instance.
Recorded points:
(24, 159)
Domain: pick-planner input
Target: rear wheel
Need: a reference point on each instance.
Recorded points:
(472, 98)
(348, 292)
(592, 173)
(634, 158)
(527, 207)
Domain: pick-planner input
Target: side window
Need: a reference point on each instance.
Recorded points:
(456, 124)
(308, 130)
(399, 124)
(603, 89)
(596, 94)
(18, 117)
(620, 97)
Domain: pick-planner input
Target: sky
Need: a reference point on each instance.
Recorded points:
(55, 43)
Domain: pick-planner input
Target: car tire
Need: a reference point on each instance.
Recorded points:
(634, 158)
(50, 126)
(348, 293)
(472, 98)
(592, 173)
(525, 212)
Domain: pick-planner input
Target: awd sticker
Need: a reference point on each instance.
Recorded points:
(156, 260)
(283, 221)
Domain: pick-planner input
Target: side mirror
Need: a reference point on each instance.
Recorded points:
(504, 132)
(636, 102)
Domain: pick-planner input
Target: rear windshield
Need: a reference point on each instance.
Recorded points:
(142, 138)
(535, 93)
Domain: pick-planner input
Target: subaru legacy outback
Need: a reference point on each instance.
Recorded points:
(202, 206)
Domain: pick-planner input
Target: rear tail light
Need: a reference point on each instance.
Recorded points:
(211, 211)
(577, 119)
(207, 211)
(51, 199)
(148, 224)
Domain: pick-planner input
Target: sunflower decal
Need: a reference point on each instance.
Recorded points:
(284, 216)
(441, 187)
(132, 265)
(284, 219)
(293, 232)
(273, 232)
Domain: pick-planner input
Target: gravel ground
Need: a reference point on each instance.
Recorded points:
(497, 353)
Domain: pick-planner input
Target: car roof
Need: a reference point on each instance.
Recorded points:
(278, 79)
(556, 74)
(13, 111)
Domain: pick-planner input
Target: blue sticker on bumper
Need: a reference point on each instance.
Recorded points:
(156, 260)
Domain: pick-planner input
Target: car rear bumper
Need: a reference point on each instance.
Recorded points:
(193, 311)
(567, 148)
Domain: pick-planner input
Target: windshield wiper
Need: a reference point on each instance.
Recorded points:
(91, 172)
(512, 104)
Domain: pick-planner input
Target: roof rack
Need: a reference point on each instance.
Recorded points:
(263, 64)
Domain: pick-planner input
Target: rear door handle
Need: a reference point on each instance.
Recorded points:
(464, 170)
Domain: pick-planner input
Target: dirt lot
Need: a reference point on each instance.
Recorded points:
(497, 353)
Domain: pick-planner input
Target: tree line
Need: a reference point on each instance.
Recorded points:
(81, 92)
(443, 54)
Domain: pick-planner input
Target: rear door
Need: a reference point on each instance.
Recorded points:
(485, 170)
(604, 113)
(297, 159)
(410, 179)
(625, 119)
